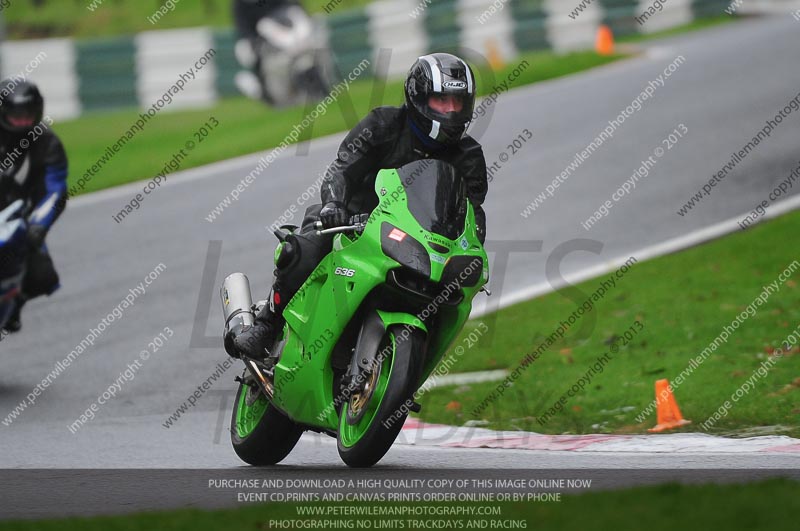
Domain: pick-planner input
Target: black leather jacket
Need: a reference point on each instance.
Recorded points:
(35, 171)
(384, 139)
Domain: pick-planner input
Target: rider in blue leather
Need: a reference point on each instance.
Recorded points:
(33, 167)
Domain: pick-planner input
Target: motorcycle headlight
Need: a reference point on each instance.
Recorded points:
(408, 252)
(466, 270)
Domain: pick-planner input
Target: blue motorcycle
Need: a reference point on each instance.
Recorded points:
(13, 256)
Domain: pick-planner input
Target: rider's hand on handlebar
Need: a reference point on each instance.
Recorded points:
(333, 214)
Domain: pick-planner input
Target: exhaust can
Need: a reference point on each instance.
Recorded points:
(237, 303)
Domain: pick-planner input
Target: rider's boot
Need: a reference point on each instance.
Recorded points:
(14, 324)
(255, 341)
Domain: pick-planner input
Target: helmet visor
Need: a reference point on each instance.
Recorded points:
(446, 103)
(20, 119)
(450, 109)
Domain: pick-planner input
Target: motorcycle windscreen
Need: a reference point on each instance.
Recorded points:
(437, 196)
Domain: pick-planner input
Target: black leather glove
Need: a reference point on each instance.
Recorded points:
(333, 214)
(36, 234)
(480, 223)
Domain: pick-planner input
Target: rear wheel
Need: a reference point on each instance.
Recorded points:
(261, 435)
(370, 421)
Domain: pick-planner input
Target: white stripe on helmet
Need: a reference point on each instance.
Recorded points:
(469, 76)
(434, 130)
(436, 74)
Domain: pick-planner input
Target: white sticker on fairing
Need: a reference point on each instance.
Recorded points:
(345, 272)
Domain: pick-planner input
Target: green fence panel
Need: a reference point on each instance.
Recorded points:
(530, 28)
(619, 16)
(106, 71)
(225, 62)
(349, 40)
(442, 27)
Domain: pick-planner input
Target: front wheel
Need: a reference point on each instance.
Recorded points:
(370, 421)
(261, 435)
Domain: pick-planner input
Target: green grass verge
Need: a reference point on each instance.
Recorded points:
(246, 126)
(699, 24)
(62, 18)
(766, 505)
(683, 301)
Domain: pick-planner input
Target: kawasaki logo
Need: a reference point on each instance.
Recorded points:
(454, 84)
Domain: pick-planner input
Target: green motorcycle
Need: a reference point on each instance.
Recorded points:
(369, 324)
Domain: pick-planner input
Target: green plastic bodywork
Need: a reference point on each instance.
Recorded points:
(321, 309)
(248, 416)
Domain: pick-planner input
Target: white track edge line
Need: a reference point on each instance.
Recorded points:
(672, 245)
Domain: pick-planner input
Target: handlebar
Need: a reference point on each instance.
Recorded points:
(356, 224)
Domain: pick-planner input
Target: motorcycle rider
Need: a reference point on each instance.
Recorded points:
(439, 102)
(33, 167)
(288, 29)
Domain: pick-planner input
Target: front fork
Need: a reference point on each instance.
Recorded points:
(366, 356)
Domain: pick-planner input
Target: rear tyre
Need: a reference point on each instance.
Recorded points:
(261, 435)
(370, 421)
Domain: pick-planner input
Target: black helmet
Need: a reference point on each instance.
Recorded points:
(21, 106)
(440, 74)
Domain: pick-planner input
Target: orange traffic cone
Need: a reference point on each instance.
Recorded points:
(669, 416)
(494, 55)
(604, 44)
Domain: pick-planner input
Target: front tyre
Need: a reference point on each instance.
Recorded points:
(370, 421)
(261, 435)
